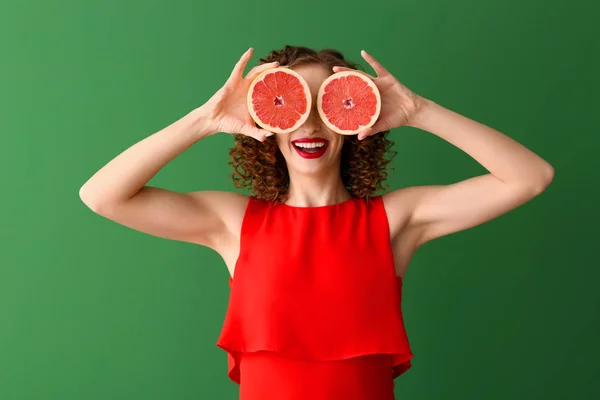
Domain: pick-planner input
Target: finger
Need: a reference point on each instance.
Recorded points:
(342, 69)
(254, 72)
(238, 70)
(376, 65)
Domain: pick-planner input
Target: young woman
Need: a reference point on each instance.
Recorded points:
(316, 254)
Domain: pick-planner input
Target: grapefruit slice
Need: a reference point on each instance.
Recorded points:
(348, 102)
(279, 100)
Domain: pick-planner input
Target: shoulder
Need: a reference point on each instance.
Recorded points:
(402, 201)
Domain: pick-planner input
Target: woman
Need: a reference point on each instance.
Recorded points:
(316, 256)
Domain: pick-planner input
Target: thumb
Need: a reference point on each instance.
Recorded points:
(367, 132)
(378, 127)
(256, 133)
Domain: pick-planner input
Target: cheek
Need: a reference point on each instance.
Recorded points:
(281, 140)
(339, 142)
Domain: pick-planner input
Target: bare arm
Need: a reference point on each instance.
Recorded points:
(119, 190)
(419, 214)
(516, 175)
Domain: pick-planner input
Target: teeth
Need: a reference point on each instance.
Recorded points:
(309, 145)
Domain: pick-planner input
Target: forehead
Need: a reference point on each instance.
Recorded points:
(314, 74)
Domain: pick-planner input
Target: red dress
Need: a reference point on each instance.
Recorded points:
(315, 304)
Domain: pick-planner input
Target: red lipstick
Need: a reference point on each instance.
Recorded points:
(310, 147)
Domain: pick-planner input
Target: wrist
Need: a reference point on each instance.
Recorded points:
(200, 123)
(425, 108)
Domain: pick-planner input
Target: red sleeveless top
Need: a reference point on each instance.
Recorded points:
(315, 284)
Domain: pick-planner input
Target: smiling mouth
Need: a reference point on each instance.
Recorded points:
(310, 148)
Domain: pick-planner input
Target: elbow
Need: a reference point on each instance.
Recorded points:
(85, 197)
(90, 200)
(99, 200)
(546, 177)
(542, 180)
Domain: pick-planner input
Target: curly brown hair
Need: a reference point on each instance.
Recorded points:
(261, 168)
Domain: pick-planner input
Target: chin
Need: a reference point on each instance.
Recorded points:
(311, 170)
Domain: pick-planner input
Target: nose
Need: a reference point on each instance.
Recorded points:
(313, 123)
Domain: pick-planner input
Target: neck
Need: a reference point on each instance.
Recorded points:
(324, 189)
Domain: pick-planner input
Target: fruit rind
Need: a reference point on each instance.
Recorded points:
(268, 127)
(322, 114)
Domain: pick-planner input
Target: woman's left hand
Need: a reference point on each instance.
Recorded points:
(399, 104)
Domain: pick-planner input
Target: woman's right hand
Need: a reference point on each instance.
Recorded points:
(227, 110)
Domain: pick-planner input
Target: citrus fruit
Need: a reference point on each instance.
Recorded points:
(279, 100)
(348, 102)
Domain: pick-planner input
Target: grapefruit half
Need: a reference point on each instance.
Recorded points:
(279, 100)
(348, 102)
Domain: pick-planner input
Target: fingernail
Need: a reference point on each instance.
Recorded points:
(269, 134)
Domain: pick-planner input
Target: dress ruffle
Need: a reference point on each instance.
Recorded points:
(396, 344)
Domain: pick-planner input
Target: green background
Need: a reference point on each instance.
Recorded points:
(93, 310)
